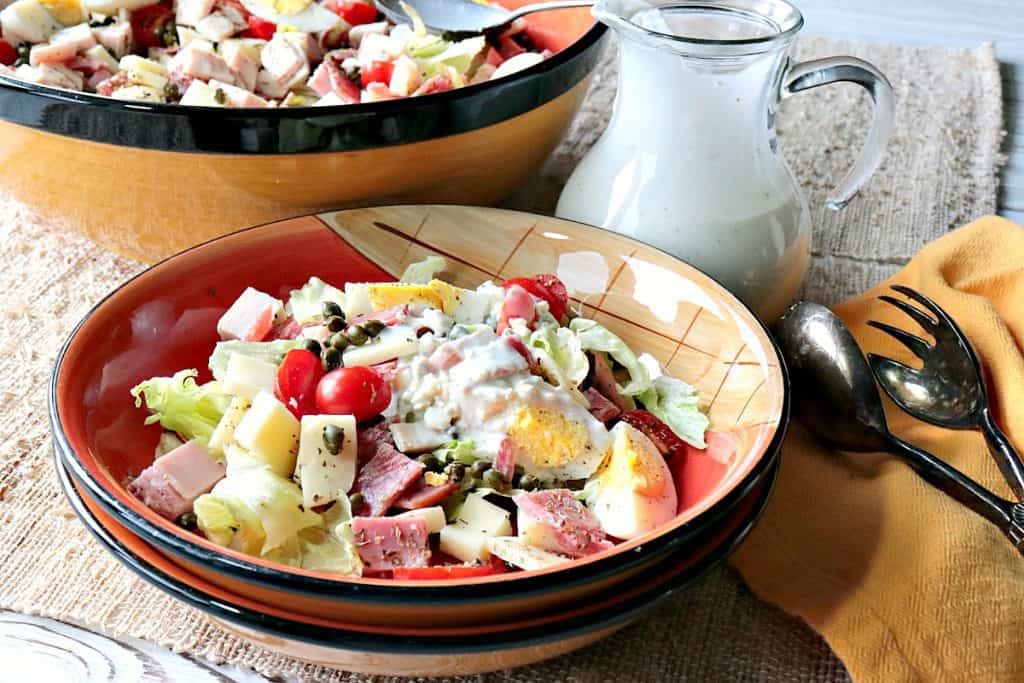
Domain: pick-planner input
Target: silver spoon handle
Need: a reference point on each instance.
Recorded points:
(954, 483)
(545, 6)
(1004, 453)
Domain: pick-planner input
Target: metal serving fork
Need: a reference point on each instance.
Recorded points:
(949, 390)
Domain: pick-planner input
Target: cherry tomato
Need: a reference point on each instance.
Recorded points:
(518, 304)
(297, 381)
(357, 391)
(666, 441)
(547, 287)
(357, 12)
(448, 571)
(8, 55)
(149, 25)
(377, 72)
(260, 28)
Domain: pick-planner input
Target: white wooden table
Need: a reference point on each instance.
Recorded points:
(32, 648)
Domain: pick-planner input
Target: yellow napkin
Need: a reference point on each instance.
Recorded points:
(904, 583)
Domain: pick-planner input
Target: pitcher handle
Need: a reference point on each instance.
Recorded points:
(807, 75)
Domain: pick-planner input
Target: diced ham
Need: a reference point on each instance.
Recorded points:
(289, 328)
(63, 45)
(520, 348)
(600, 407)
(172, 483)
(483, 74)
(384, 478)
(554, 520)
(241, 64)
(251, 317)
(388, 316)
(505, 461)
(285, 64)
(370, 438)
(444, 356)
(89, 66)
(384, 543)
(197, 60)
(97, 78)
(117, 38)
(422, 495)
(191, 12)
(387, 370)
(330, 79)
(108, 86)
(56, 75)
(217, 27)
(239, 97)
(604, 381)
(432, 85)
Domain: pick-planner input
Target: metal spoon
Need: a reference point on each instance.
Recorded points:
(835, 395)
(465, 17)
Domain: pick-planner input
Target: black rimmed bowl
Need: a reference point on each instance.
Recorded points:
(164, 320)
(148, 180)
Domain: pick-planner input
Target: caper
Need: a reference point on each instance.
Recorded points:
(335, 323)
(339, 341)
(478, 468)
(356, 335)
(331, 310)
(373, 327)
(332, 359)
(455, 471)
(495, 480)
(430, 462)
(312, 345)
(528, 482)
(357, 501)
(334, 439)
(188, 520)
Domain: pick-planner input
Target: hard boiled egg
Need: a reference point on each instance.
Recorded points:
(634, 492)
(557, 439)
(304, 15)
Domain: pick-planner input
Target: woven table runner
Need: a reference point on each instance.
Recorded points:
(940, 172)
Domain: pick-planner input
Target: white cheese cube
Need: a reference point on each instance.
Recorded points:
(474, 306)
(487, 518)
(247, 376)
(101, 54)
(324, 476)
(391, 343)
(405, 78)
(199, 94)
(416, 437)
(517, 553)
(468, 545)
(224, 433)
(357, 299)
(146, 72)
(139, 93)
(433, 517)
(270, 433)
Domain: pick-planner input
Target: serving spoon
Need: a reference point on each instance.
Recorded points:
(465, 17)
(835, 395)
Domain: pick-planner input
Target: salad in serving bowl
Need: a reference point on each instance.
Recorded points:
(419, 430)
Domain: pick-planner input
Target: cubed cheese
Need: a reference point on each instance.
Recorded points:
(270, 433)
(247, 376)
(325, 476)
(142, 71)
(391, 343)
(199, 94)
(139, 93)
(517, 553)
(225, 430)
(416, 437)
(357, 299)
(464, 543)
(433, 517)
(487, 518)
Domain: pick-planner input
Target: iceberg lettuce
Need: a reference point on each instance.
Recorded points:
(675, 403)
(422, 272)
(595, 337)
(306, 303)
(270, 351)
(182, 406)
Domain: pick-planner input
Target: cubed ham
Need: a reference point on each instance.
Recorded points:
(172, 483)
(63, 46)
(217, 26)
(251, 317)
(384, 543)
(603, 379)
(505, 461)
(370, 438)
(197, 60)
(387, 370)
(600, 407)
(241, 64)
(191, 12)
(554, 520)
(288, 328)
(285, 64)
(56, 75)
(388, 316)
(239, 97)
(483, 74)
(432, 85)
(422, 495)
(329, 79)
(117, 38)
(97, 78)
(384, 478)
(444, 356)
(108, 86)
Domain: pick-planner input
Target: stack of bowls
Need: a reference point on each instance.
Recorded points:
(164, 320)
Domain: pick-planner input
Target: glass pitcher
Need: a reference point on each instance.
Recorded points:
(690, 162)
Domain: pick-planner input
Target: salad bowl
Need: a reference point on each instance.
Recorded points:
(163, 320)
(148, 180)
(430, 651)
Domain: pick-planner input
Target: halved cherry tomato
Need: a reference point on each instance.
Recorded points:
(448, 571)
(377, 72)
(664, 439)
(149, 25)
(297, 381)
(357, 391)
(260, 28)
(8, 55)
(547, 287)
(356, 12)
(518, 304)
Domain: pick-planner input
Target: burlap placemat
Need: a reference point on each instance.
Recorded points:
(940, 171)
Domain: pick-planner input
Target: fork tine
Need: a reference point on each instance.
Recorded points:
(920, 298)
(926, 322)
(919, 347)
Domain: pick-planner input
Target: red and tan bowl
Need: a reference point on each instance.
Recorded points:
(429, 651)
(148, 180)
(164, 320)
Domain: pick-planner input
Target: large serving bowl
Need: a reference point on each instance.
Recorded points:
(164, 320)
(149, 180)
(429, 651)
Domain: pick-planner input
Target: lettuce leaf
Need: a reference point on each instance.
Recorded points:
(271, 351)
(459, 450)
(564, 348)
(457, 60)
(182, 406)
(596, 337)
(422, 272)
(675, 403)
(306, 303)
(230, 523)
